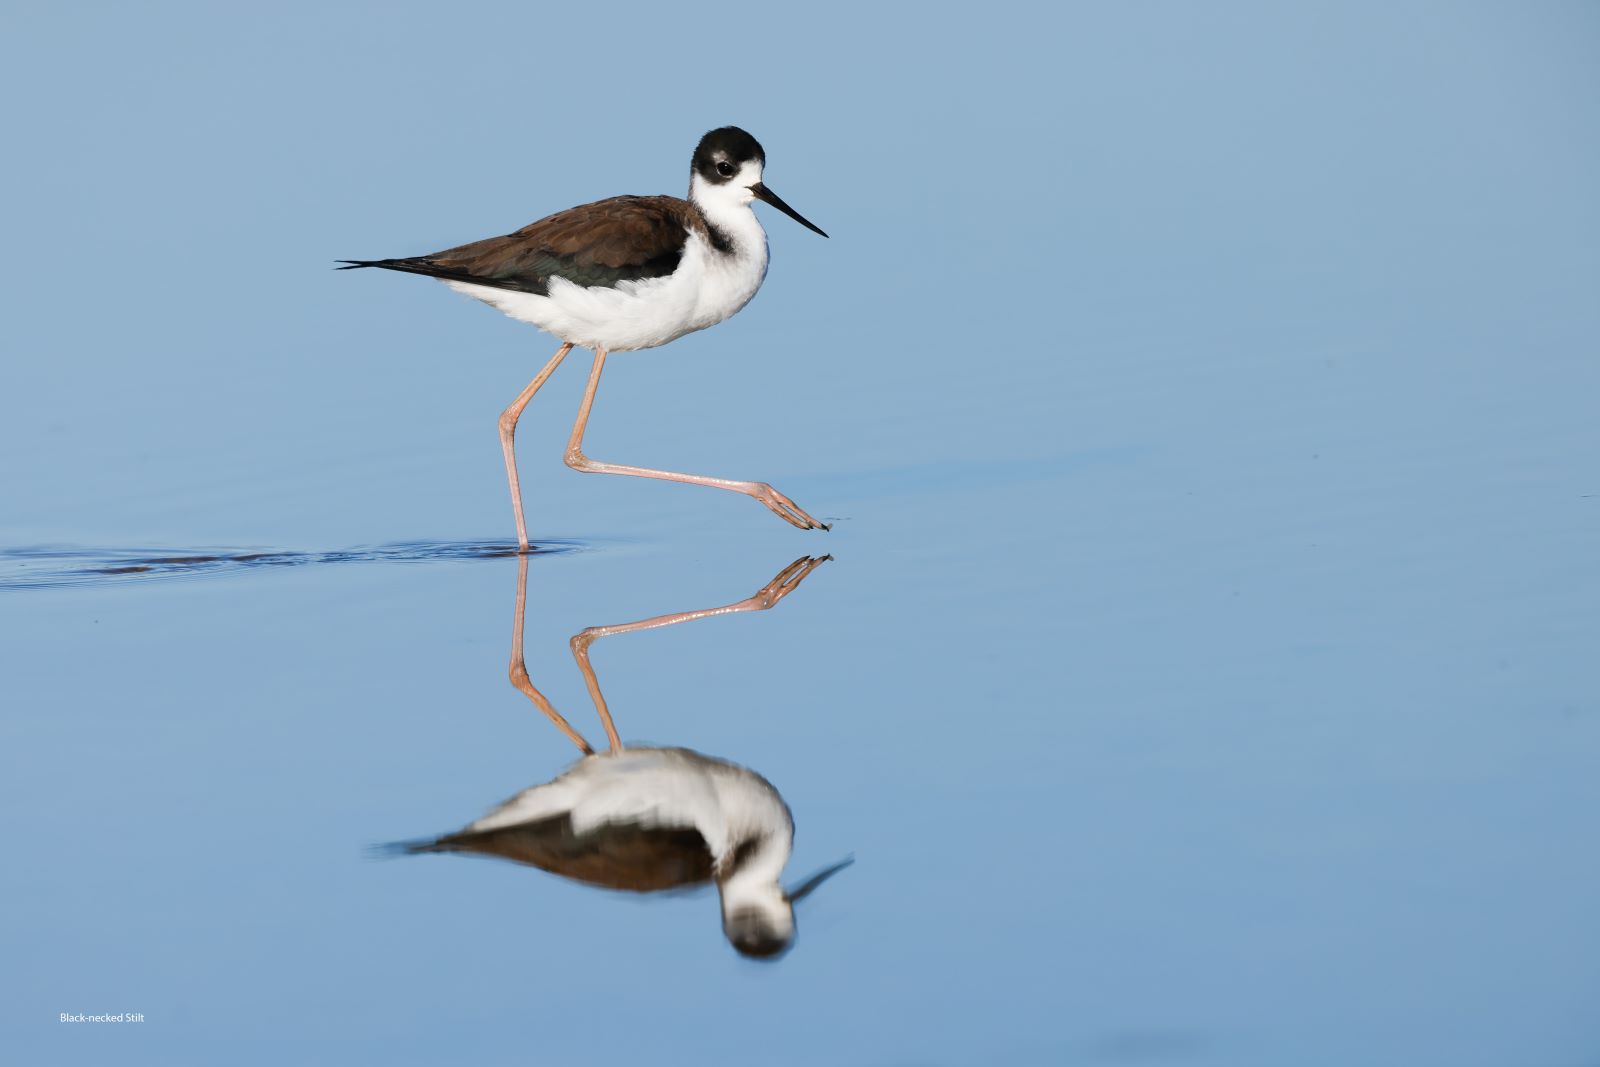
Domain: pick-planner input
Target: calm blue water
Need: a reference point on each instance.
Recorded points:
(1205, 399)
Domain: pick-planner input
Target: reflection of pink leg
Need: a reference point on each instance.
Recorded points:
(519, 665)
(783, 583)
(775, 501)
(508, 434)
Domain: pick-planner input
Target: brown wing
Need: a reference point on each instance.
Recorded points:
(625, 238)
(613, 856)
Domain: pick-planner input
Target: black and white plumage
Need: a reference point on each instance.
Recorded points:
(629, 272)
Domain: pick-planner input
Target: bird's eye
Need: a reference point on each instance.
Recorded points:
(725, 169)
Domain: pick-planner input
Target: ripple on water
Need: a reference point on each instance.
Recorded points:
(56, 566)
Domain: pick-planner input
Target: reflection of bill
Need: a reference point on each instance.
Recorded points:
(649, 819)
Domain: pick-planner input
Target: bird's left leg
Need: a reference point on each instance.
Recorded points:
(783, 583)
(519, 665)
(508, 436)
(775, 501)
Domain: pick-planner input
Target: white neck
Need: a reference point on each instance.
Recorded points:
(754, 887)
(758, 875)
(727, 207)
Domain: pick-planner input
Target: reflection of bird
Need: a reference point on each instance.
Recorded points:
(626, 273)
(649, 819)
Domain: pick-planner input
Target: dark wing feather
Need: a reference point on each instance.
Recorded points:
(613, 856)
(626, 238)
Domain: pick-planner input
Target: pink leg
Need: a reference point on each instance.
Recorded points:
(519, 665)
(775, 501)
(783, 583)
(508, 434)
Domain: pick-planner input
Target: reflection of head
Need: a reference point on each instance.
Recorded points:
(758, 916)
(762, 927)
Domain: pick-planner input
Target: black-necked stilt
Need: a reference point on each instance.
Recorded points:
(626, 273)
(647, 819)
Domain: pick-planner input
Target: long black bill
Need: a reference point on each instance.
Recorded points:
(763, 193)
(799, 892)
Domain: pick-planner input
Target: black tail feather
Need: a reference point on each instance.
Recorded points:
(429, 269)
(356, 264)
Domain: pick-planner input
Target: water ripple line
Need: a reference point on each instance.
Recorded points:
(62, 566)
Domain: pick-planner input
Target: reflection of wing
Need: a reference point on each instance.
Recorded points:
(614, 855)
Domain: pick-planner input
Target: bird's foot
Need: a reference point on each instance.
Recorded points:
(784, 508)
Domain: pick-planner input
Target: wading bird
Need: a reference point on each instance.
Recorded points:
(648, 819)
(622, 274)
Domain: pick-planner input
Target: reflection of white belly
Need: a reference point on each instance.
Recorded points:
(707, 287)
(654, 787)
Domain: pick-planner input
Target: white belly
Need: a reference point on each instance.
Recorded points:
(707, 287)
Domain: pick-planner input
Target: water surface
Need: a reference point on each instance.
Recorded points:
(1204, 402)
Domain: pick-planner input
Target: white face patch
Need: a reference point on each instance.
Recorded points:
(749, 174)
(733, 193)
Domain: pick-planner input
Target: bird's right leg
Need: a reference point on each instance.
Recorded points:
(776, 502)
(783, 583)
(508, 434)
(519, 665)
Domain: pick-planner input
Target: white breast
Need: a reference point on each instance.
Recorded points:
(707, 287)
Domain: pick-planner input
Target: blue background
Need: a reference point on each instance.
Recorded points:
(1206, 399)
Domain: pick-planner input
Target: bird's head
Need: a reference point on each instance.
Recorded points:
(726, 172)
